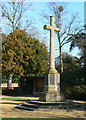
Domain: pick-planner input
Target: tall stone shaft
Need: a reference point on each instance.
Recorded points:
(52, 54)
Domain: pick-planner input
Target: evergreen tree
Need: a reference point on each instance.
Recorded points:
(23, 55)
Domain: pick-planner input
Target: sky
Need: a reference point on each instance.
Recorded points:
(73, 7)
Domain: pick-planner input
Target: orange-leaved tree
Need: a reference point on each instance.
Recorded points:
(23, 55)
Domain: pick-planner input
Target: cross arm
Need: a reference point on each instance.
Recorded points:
(57, 29)
(46, 27)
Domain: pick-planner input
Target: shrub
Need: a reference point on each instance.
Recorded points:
(10, 91)
(74, 78)
(76, 92)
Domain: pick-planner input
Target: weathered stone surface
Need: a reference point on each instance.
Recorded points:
(52, 78)
(50, 96)
(43, 105)
(52, 55)
(52, 82)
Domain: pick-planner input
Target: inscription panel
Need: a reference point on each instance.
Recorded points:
(51, 79)
(56, 79)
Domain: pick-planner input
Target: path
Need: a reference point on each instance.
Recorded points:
(9, 110)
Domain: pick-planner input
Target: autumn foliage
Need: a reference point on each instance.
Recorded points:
(24, 55)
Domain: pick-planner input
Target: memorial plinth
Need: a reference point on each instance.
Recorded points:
(52, 78)
(51, 89)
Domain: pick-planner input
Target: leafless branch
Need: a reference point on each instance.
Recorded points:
(14, 11)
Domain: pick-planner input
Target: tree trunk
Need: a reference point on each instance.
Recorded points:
(10, 81)
(61, 61)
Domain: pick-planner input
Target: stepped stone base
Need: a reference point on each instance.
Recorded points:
(50, 96)
(41, 105)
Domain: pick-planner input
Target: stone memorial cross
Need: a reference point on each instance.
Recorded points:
(52, 29)
(52, 78)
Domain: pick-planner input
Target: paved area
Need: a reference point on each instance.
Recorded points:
(9, 110)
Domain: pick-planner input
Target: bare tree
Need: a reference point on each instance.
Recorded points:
(67, 25)
(13, 12)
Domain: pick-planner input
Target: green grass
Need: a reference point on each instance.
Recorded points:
(16, 99)
(41, 119)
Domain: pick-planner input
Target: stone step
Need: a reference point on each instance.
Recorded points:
(24, 107)
(28, 104)
(47, 103)
(39, 105)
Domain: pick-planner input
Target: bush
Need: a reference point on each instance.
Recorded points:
(76, 92)
(10, 91)
(72, 78)
(6, 78)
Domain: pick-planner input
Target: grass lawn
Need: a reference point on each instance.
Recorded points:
(41, 119)
(16, 99)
